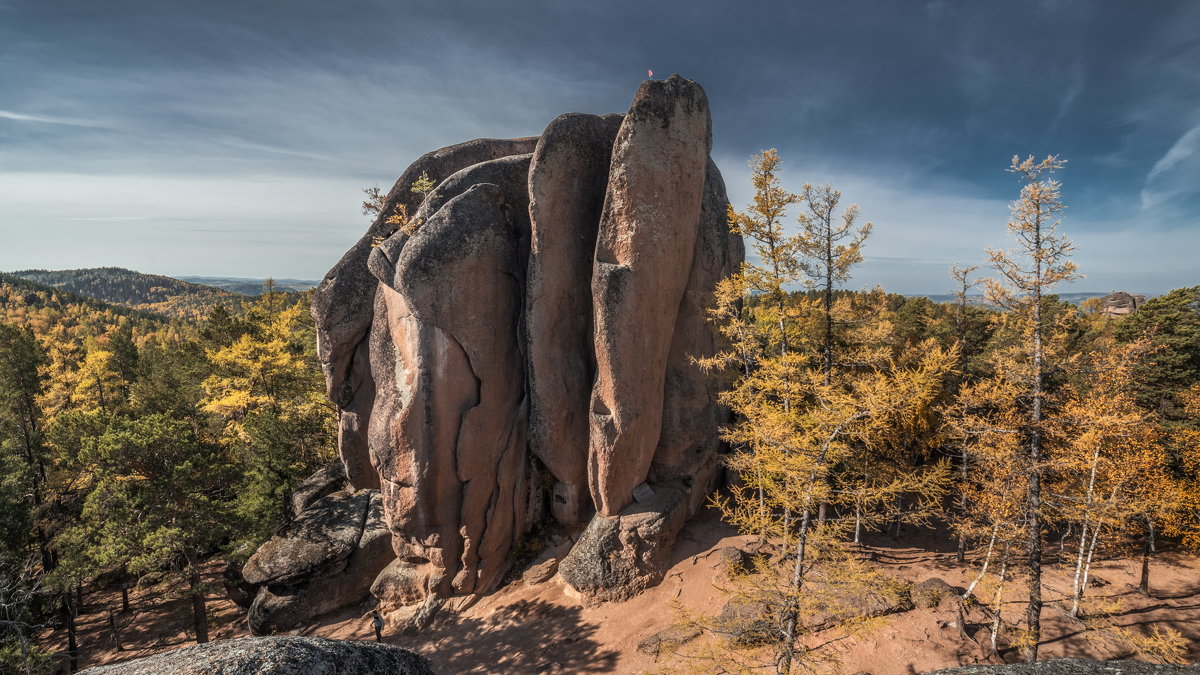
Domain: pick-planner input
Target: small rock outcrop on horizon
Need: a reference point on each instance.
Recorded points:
(283, 655)
(1120, 303)
(526, 352)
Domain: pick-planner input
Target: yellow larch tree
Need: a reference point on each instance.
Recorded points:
(1040, 260)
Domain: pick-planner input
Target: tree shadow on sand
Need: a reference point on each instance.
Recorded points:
(532, 636)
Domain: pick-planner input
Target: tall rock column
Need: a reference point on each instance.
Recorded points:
(567, 180)
(686, 455)
(643, 259)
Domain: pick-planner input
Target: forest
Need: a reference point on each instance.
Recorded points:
(149, 292)
(133, 445)
(1031, 431)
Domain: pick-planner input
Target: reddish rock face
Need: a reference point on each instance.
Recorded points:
(567, 180)
(643, 260)
(451, 443)
(343, 303)
(526, 353)
(690, 408)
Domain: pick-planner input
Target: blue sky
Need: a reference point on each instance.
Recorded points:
(232, 138)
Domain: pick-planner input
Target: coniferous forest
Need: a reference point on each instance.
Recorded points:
(137, 447)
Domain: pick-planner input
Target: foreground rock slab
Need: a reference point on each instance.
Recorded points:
(276, 656)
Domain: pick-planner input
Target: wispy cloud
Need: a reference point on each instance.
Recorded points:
(1075, 77)
(48, 119)
(1174, 174)
(247, 145)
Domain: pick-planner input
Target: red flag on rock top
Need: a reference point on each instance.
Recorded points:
(649, 73)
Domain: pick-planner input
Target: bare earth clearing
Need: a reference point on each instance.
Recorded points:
(540, 628)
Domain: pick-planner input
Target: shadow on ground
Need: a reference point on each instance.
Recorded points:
(531, 636)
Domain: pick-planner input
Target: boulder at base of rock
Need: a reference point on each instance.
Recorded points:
(317, 542)
(280, 607)
(619, 556)
(400, 583)
(283, 655)
(545, 565)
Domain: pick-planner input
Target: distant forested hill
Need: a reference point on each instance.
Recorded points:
(251, 286)
(150, 292)
(48, 309)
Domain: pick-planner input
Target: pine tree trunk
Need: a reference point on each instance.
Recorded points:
(987, 559)
(787, 650)
(1033, 514)
(68, 619)
(998, 602)
(199, 611)
(1144, 584)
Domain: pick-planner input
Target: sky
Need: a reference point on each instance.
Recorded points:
(231, 138)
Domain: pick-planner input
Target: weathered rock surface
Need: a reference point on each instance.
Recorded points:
(619, 556)
(343, 302)
(323, 483)
(567, 181)
(296, 584)
(1071, 667)
(400, 583)
(644, 253)
(463, 423)
(527, 350)
(241, 592)
(690, 407)
(282, 655)
(318, 541)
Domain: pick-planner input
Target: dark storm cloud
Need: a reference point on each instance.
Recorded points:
(265, 117)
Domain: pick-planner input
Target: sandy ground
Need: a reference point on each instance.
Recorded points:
(543, 629)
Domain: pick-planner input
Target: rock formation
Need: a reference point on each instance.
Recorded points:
(325, 559)
(283, 655)
(526, 351)
(1120, 303)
